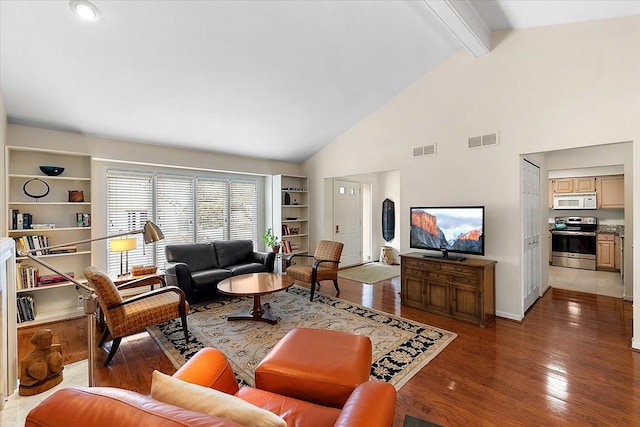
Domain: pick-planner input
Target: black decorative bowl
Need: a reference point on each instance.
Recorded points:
(52, 170)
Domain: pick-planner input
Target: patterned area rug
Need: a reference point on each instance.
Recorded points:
(401, 347)
(370, 273)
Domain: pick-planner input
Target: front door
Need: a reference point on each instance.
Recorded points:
(531, 233)
(347, 225)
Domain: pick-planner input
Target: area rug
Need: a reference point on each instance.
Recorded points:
(401, 347)
(370, 273)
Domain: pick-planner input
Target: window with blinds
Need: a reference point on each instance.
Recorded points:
(187, 209)
(174, 210)
(212, 207)
(129, 206)
(243, 200)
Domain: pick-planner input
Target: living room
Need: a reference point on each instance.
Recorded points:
(541, 90)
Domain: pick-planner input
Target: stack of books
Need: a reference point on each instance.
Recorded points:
(288, 247)
(26, 308)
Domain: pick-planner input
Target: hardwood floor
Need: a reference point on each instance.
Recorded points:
(568, 363)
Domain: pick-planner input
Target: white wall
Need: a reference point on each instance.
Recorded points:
(542, 89)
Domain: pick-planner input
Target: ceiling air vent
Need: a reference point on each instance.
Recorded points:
(426, 150)
(483, 141)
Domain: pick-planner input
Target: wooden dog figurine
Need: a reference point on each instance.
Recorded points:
(41, 369)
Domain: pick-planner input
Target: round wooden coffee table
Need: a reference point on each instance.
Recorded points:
(255, 285)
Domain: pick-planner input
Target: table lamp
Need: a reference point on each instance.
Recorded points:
(151, 233)
(123, 245)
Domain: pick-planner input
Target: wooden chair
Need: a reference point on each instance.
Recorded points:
(324, 267)
(128, 316)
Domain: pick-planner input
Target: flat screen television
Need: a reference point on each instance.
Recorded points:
(453, 229)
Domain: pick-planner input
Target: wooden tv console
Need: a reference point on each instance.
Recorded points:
(463, 290)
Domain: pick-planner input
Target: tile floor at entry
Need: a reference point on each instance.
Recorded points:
(594, 282)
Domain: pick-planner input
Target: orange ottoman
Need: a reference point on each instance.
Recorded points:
(316, 365)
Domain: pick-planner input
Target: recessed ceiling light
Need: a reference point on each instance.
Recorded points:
(85, 10)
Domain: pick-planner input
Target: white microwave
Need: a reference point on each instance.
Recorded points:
(574, 201)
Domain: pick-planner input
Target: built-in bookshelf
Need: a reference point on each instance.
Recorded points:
(55, 220)
(291, 212)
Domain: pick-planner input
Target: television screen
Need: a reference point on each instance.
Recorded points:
(448, 229)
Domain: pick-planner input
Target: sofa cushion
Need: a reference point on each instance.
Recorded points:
(232, 252)
(209, 401)
(198, 256)
(205, 278)
(252, 267)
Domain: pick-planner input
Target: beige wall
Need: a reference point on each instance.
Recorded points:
(144, 156)
(541, 89)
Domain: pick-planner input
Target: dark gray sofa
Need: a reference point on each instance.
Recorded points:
(197, 268)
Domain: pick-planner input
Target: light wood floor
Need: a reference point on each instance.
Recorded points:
(568, 363)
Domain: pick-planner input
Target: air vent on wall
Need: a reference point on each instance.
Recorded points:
(426, 150)
(483, 141)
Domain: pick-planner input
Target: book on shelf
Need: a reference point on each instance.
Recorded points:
(286, 247)
(285, 230)
(27, 276)
(52, 279)
(62, 250)
(26, 308)
(27, 220)
(42, 226)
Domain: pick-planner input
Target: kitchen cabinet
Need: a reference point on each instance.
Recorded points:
(463, 290)
(610, 192)
(606, 251)
(586, 184)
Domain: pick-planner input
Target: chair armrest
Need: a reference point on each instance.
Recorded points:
(209, 367)
(291, 256)
(150, 294)
(143, 281)
(372, 404)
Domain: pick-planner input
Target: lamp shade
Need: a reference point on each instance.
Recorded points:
(151, 232)
(123, 245)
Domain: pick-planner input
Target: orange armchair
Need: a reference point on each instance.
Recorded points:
(372, 404)
(324, 267)
(126, 317)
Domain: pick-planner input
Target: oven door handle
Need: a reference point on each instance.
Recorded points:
(574, 233)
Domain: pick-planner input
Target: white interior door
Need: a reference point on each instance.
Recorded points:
(347, 224)
(531, 233)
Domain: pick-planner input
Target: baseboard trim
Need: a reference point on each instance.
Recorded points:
(509, 316)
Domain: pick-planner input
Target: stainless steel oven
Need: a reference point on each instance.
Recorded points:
(574, 242)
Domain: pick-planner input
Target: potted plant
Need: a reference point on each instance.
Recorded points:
(271, 240)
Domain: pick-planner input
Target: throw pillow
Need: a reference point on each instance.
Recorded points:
(206, 400)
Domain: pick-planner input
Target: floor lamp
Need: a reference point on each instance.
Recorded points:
(151, 233)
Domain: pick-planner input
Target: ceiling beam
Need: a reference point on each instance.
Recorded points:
(462, 19)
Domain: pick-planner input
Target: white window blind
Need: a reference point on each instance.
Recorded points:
(129, 206)
(212, 209)
(243, 217)
(174, 210)
(187, 209)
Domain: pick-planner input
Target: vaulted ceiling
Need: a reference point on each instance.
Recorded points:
(266, 79)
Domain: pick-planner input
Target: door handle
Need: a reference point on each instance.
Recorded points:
(337, 229)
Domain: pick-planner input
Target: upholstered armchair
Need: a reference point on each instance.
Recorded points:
(124, 317)
(324, 267)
